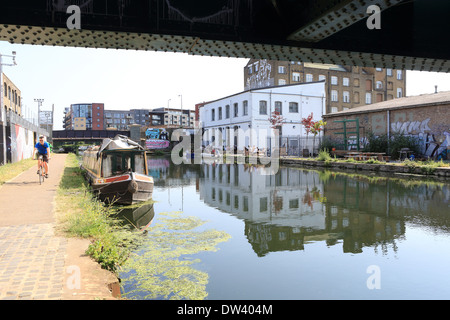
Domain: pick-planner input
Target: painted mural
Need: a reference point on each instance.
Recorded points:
(156, 139)
(22, 143)
(261, 75)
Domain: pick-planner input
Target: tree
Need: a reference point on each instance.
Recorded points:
(308, 123)
(316, 128)
(276, 120)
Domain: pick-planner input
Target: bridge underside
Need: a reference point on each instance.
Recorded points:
(413, 33)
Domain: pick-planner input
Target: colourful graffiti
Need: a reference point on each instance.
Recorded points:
(156, 139)
(22, 143)
(160, 134)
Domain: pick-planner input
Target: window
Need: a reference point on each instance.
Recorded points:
(356, 97)
(263, 204)
(281, 69)
(379, 69)
(389, 72)
(281, 82)
(334, 95)
(295, 76)
(279, 107)
(379, 97)
(309, 77)
(220, 113)
(227, 111)
(321, 77)
(356, 82)
(262, 107)
(368, 85)
(250, 70)
(293, 107)
(379, 85)
(236, 110)
(213, 115)
(390, 85)
(256, 67)
(399, 92)
(399, 75)
(346, 97)
(368, 98)
(345, 82)
(334, 80)
(245, 107)
(294, 204)
(334, 109)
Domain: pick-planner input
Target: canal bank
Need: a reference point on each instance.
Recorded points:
(36, 261)
(409, 167)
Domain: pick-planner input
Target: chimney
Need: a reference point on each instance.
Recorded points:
(435, 89)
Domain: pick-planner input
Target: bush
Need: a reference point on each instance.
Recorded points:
(328, 144)
(376, 143)
(399, 141)
(391, 147)
(324, 156)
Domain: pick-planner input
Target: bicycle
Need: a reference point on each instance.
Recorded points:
(41, 171)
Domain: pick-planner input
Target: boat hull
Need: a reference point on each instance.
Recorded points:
(124, 190)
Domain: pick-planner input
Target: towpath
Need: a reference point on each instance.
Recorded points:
(35, 262)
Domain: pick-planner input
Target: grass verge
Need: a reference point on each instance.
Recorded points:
(81, 214)
(12, 170)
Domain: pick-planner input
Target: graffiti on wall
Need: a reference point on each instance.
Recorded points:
(409, 127)
(156, 139)
(260, 75)
(22, 143)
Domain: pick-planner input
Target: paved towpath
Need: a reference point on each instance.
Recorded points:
(36, 263)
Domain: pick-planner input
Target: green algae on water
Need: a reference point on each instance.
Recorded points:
(163, 268)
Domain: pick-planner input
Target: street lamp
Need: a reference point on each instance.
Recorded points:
(181, 117)
(39, 102)
(2, 106)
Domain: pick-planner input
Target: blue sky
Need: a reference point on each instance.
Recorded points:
(126, 80)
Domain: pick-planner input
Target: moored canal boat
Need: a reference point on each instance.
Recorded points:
(118, 172)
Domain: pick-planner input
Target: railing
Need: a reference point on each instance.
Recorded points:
(14, 118)
(87, 134)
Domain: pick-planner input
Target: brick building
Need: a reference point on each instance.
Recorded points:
(346, 87)
(426, 117)
(84, 116)
(12, 96)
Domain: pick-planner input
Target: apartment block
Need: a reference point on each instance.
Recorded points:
(171, 117)
(346, 86)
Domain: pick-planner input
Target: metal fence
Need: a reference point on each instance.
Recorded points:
(13, 118)
(296, 146)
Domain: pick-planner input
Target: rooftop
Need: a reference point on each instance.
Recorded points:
(406, 102)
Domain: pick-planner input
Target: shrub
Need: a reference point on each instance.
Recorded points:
(324, 156)
(391, 146)
(376, 143)
(399, 141)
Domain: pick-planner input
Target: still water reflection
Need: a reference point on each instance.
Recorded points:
(303, 234)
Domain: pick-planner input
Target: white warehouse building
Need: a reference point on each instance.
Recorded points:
(242, 120)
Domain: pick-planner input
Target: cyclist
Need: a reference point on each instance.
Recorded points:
(42, 148)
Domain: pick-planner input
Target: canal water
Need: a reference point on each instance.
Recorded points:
(299, 234)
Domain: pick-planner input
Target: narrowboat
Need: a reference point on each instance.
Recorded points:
(117, 171)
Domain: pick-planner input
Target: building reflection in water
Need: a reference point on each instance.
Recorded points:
(288, 210)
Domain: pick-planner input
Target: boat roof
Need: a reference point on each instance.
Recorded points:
(120, 142)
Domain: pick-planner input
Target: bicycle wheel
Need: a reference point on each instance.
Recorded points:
(41, 175)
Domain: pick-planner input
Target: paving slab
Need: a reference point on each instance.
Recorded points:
(35, 262)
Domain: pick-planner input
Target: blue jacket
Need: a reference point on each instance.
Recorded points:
(42, 149)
